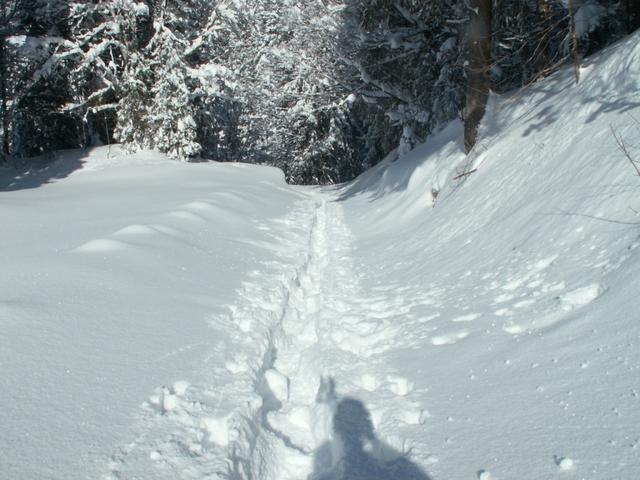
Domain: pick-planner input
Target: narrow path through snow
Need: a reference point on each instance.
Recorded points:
(327, 331)
(268, 408)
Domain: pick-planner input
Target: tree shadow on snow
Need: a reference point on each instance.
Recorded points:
(606, 91)
(355, 453)
(37, 171)
(394, 173)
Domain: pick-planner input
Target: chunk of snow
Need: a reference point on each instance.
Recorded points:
(566, 463)
(278, 384)
(581, 296)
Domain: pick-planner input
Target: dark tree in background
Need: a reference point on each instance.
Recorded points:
(405, 70)
(631, 10)
(542, 33)
(7, 13)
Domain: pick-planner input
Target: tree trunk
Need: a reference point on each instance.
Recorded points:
(4, 72)
(145, 25)
(542, 48)
(575, 52)
(477, 69)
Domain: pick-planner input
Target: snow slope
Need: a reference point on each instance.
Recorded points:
(117, 281)
(166, 320)
(520, 331)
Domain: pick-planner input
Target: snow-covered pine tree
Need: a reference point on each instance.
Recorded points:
(217, 113)
(407, 69)
(157, 107)
(106, 35)
(313, 132)
(290, 109)
(132, 126)
(170, 120)
(73, 55)
(216, 98)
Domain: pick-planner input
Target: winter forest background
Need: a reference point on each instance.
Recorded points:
(322, 89)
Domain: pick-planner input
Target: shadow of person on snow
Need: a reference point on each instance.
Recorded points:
(355, 453)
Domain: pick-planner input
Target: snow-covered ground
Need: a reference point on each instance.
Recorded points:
(168, 320)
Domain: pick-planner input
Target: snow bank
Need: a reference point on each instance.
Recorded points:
(537, 251)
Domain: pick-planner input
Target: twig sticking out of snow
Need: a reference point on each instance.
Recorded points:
(624, 149)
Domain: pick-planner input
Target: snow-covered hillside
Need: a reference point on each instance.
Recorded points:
(169, 320)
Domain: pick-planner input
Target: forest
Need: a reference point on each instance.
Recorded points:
(322, 89)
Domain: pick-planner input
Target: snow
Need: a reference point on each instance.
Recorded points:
(116, 295)
(587, 17)
(565, 463)
(169, 320)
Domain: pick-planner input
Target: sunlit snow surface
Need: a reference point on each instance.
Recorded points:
(161, 320)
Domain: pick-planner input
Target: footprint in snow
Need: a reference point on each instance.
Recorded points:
(368, 382)
(399, 385)
(167, 399)
(217, 431)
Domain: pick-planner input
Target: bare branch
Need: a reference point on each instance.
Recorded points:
(623, 148)
(465, 174)
(593, 217)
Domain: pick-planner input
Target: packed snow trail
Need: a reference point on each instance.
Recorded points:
(329, 330)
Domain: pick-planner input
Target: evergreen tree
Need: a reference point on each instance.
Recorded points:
(171, 125)
(631, 10)
(406, 66)
(157, 107)
(40, 89)
(73, 55)
(290, 109)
